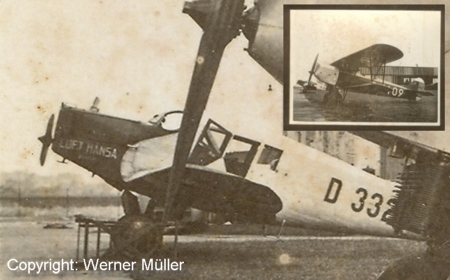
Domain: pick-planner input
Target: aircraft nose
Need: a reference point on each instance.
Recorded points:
(327, 74)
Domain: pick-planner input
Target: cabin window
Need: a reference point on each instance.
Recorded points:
(241, 153)
(270, 155)
(211, 145)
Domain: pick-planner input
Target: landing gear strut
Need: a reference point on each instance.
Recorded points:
(332, 97)
(135, 237)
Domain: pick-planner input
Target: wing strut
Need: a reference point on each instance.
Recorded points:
(221, 20)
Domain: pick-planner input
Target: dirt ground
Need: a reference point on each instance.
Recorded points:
(358, 107)
(213, 256)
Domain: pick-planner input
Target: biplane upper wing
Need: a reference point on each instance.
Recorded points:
(372, 56)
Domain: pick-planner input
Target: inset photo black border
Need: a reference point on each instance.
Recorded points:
(330, 32)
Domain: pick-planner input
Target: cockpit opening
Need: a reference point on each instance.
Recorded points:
(170, 121)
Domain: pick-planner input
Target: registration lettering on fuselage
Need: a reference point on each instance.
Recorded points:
(364, 200)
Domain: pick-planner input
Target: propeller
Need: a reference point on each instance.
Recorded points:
(313, 68)
(46, 139)
(221, 21)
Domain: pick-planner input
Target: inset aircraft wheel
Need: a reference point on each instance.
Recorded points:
(332, 98)
(335, 97)
(135, 237)
(325, 97)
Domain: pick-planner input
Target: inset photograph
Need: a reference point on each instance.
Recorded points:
(369, 67)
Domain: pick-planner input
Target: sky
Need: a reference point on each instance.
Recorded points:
(136, 56)
(334, 34)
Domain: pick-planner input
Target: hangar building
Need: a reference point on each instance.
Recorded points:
(403, 74)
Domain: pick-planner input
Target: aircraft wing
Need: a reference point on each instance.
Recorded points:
(425, 93)
(368, 87)
(369, 57)
(214, 191)
(389, 89)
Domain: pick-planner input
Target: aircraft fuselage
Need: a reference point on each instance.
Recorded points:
(227, 173)
(356, 82)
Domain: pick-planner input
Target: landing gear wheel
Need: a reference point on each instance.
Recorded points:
(135, 237)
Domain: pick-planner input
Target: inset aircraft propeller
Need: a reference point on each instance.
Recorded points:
(313, 70)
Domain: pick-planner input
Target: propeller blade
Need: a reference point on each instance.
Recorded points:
(46, 139)
(313, 68)
(220, 20)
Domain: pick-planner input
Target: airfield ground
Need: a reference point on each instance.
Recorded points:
(213, 255)
(357, 107)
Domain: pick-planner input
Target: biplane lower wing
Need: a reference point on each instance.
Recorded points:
(390, 90)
